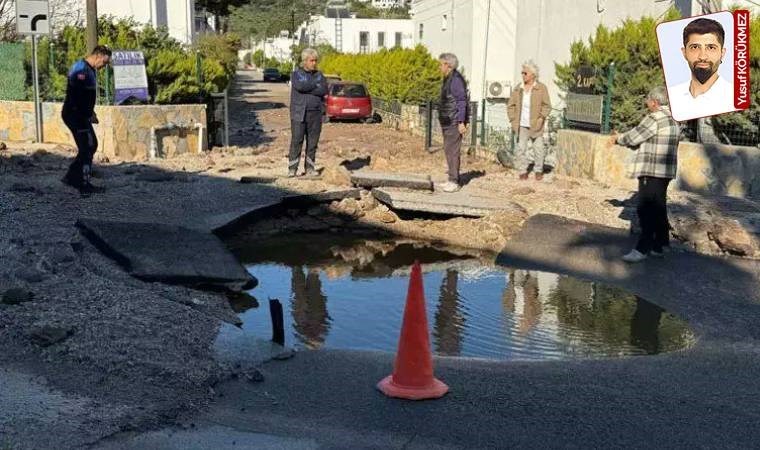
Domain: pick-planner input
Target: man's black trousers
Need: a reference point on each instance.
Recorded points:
(653, 214)
(87, 145)
(310, 128)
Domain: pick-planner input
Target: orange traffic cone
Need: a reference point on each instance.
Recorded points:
(412, 376)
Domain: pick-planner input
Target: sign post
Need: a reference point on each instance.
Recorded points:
(37, 104)
(33, 19)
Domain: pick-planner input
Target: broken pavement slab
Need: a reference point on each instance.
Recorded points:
(457, 204)
(227, 223)
(372, 179)
(168, 253)
(306, 200)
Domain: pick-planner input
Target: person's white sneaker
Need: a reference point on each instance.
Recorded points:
(634, 256)
(657, 254)
(449, 187)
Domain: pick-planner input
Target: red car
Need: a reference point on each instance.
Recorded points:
(348, 100)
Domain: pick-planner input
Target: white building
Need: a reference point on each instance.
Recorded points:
(350, 35)
(278, 47)
(492, 38)
(181, 18)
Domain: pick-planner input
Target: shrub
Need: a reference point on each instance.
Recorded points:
(220, 47)
(258, 58)
(405, 75)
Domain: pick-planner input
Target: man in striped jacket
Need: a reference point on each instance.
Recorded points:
(655, 141)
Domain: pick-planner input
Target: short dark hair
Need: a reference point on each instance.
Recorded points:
(101, 50)
(704, 26)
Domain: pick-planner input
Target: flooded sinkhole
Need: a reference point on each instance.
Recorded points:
(349, 291)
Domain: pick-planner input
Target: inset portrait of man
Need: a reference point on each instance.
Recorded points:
(709, 90)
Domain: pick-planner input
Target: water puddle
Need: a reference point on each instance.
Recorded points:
(349, 292)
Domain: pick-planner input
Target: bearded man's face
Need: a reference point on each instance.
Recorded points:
(703, 53)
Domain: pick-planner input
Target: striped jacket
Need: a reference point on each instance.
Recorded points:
(655, 141)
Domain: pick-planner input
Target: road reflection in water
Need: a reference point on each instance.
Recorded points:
(349, 292)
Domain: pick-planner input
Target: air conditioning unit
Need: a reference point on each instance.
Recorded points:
(498, 89)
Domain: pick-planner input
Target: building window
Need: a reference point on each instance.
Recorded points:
(422, 28)
(363, 41)
(444, 22)
(398, 40)
(380, 39)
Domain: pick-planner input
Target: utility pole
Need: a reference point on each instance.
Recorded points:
(92, 25)
(293, 55)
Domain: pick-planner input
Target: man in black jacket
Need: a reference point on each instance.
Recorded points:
(307, 105)
(453, 115)
(79, 114)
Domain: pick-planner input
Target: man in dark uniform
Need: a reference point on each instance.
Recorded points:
(79, 114)
(453, 115)
(307, 106)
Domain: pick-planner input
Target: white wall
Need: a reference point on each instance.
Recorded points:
(321, 30)
(278, 48)
(176, 15)
(484, 43)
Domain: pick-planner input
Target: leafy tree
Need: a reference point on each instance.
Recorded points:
(262, 18)
(367, 11)
(219, 7)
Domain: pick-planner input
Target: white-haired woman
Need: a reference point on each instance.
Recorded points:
(528, 108)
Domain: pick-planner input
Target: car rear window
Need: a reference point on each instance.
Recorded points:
(271, 71)
(348, 90)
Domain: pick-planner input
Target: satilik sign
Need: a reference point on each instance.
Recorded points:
(130, 79)
(584, 108)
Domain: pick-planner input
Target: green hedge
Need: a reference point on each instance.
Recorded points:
(13, 81)
(405, 75)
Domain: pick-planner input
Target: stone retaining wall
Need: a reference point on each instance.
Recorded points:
(706, 169)
(132, 133)
(410, 120)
